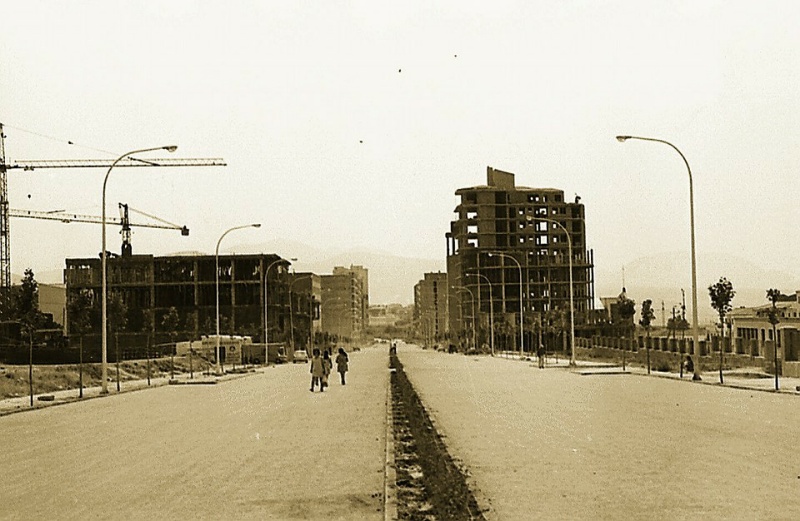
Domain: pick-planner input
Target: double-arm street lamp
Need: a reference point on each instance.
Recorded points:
(695, 330)
(216, 257)
(104, 304)
(571, 299)
(519, 266)
(472, 297)
(491, 308)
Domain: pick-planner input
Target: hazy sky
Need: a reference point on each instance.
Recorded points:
(351, 124)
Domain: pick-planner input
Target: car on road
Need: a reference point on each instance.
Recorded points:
(300, 356)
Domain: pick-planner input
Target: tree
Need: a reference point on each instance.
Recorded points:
(774, 295)
(80, 308)
(721, 295)
(626, 309)
(117, 313)
(169, 323)
(648, 315)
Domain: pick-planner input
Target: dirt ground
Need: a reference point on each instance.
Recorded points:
(48, 378)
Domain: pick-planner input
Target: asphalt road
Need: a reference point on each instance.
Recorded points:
(551, 444)
(258, 447)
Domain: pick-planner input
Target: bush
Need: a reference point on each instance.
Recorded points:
(662, 366)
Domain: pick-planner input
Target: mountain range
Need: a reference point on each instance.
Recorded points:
(657, 277)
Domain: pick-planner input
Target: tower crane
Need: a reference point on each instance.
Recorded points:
(124, 221)
(27, 165)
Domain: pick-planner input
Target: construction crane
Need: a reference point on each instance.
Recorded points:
(5, 244)
(124, 221)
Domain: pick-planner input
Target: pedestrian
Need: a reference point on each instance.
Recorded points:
(689, 364)
(327, 365)
(541, 354)
(341, 363)
(317, 371)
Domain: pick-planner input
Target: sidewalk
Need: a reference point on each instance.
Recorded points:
(23, 403)
(747, 378)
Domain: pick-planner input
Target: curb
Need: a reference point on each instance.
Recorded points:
(77, 399)
(717, 384)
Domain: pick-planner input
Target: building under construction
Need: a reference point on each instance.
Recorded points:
(508, 250)
(142, 289)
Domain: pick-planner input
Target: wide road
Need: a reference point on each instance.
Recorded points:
(258, 447)
(552, 444)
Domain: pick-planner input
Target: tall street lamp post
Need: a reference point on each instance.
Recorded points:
(521, 331)
(491, 308)
(695, 329)
(472, 297)
(216, 258)
(266, 315)
(571, 298)
(104, 303)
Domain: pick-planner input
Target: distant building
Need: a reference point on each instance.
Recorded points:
(305, 320)
(149, 286)
(430, 307)
(752, 330)
(345, 302)
(519, 223)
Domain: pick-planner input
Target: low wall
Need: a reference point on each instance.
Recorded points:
(667, 361)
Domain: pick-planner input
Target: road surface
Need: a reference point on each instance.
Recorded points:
(258, 447)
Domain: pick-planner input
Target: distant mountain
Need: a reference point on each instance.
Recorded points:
(661, 277)
(391, 277)
(42, 277)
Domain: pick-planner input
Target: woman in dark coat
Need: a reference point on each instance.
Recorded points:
(341, 363)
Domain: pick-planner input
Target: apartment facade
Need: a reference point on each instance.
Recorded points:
(431, 308)
(345, 302)
(508, 252)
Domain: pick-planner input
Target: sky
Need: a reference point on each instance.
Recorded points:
(352, 124)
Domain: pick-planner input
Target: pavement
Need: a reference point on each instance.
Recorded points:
(586, 442)
(579, 443)
(254, 446)
(746, 378)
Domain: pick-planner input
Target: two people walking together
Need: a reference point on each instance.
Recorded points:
(321, 368)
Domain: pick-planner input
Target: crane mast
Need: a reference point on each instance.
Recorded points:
(5, 254)
(28, 165)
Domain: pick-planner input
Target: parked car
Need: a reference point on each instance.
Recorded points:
(300, 356)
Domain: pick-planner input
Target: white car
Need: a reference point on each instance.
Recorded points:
(300, 356)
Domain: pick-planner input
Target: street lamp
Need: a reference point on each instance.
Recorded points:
(521, 332)
(491, 308)
(472, 297)
(266, 315)
(104, 304)
(216, 257)
(571, 299)
(695, 329)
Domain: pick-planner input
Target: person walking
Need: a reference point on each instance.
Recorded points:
(541, 354)
(341, 363)
(327, 365)
(317, 371)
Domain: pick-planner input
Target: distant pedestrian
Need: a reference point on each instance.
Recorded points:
(689, 364)
(327, 365)
(541, 354)
(317, 371)
(341, 363)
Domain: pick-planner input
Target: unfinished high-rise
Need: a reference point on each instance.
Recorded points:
(513, 243)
